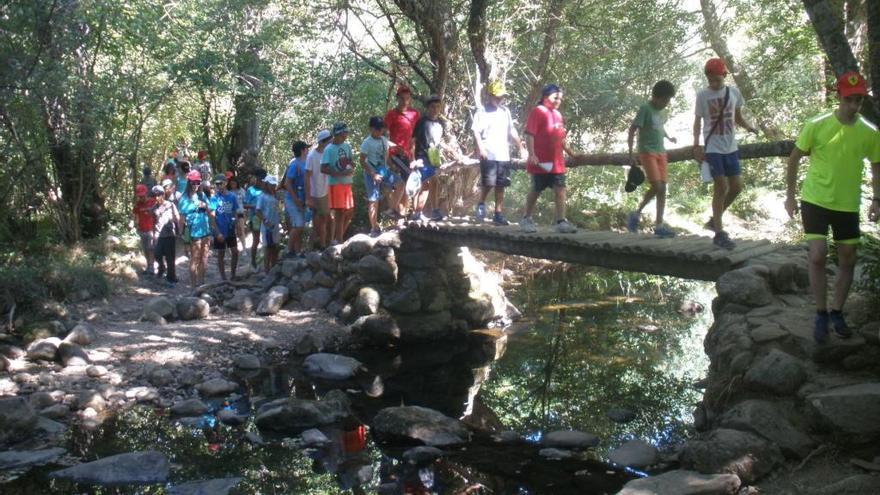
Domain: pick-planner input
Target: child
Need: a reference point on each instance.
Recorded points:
(143, 217)
(167, 225)
(295, 196)
(374, 160)
(428, 136)
(317, 195)
(194, 206)
(649, 123)
(240, 229)
(254, 191)
(225, 206)
(718, 112)
(267, 214)
(336, 162)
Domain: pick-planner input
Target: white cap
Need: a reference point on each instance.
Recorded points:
(322, 135)
(271, 179)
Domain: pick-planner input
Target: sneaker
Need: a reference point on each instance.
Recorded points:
(632, 222)
(436, 215)
(839, 324)
(498, 219)
(565, 227)
(480, 212)
(391, 215)
(723, 241)
(375, 232)
(710, 224)
(820, 328)
(663, 231)
(527, 225)
(171, 285)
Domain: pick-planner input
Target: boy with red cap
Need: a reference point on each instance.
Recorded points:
(143, 217)
(718, 111)
(837, 143)
(545, 142)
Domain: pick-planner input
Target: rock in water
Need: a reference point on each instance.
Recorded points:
(681, 482)
(189, 407)
(135, 468)
(570, 439)
(297, 415)
(220, 486)
(273, 300)
(331, 366)
(192, 308)
(215, 387)
(420, 423)
(634, 453)
(13, 459)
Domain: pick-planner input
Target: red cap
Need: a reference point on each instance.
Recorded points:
(403, 89)
(715, 67)
(140, 190)
(228, 174)
(851, 83)
(202, 154)
(193, 175)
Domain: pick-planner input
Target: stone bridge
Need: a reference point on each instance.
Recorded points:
(685, 256)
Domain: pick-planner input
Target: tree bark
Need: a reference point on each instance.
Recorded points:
(245, 132)
(551, 26)
(873, 20)
(476, 30)
(435, 22)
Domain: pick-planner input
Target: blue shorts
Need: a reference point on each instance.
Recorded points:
(373, 191)
(427, 172)
(724, 164)
(296, 216)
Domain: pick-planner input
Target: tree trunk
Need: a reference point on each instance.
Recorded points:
(873, 20)
(476, 29)
(551, 26)
(245, 139)
(435, 24)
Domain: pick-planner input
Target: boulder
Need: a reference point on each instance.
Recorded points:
(91, 399)
(316, 298)
(427, 327)
(241, 301)
(273, 300)
(73, 355)
(192, 308)
(731, 451)
(847, 409)
(767, 332)
(41, 400)
(215, 387)
(57, 411)
(420, 424)
(135, 468)
(358, 246)
(421, 455)
(290, 267)
(189, 407)
(246, 361)
(314, 437)
(367, 302)
(331, 366)
(680, 482)
(44, 349)
(764, 419)
(776, 372)
(568, 439)
(324, 279)
(293, 416)
(744, 286)
(81, 334)
(555, 454)
(871, 332)
(373, 269)
(231, 418)
(634, 453)
(404, 298)
(17, 419)
(161, 377)
(220, 486)
(14, 459)
(161, 306)
(378, 330)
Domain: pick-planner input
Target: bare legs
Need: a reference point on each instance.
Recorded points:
(725, 192)
(846, 255)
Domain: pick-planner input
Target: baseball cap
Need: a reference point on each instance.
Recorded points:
(496, 88)
(193, 175)
(322, 135)
(167, 183)
(432, 99)
(851, 83)
(634, 179)
(271, 179)
(219, 178)
(715, 67)
(158, 191)
(548, 90)
(377, 122)
(140, 190)
(340, 128)
(403, 89)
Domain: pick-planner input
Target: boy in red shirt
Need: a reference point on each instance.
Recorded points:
(143, 217)
(545, 141)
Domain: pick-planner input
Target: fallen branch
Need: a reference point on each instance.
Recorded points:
(818, 450)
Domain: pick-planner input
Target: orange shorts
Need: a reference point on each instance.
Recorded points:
(341, 197)
(654, 165)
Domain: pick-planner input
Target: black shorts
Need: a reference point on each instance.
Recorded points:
(229, 242)
(543, 181)
(816, 219)
(494, 173)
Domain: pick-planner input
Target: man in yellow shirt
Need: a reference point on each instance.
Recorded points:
(838, 142)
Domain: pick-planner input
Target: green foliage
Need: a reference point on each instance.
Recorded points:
(869, 264)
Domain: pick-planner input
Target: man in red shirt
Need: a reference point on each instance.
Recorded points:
(545, 141)
(400, 122)
(144, 220)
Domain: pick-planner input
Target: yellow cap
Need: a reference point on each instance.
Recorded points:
(496, 88)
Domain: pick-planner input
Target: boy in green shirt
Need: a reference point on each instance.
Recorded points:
(649, 123)
(837, 142)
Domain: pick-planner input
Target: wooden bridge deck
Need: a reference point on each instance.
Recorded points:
(685, 256)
